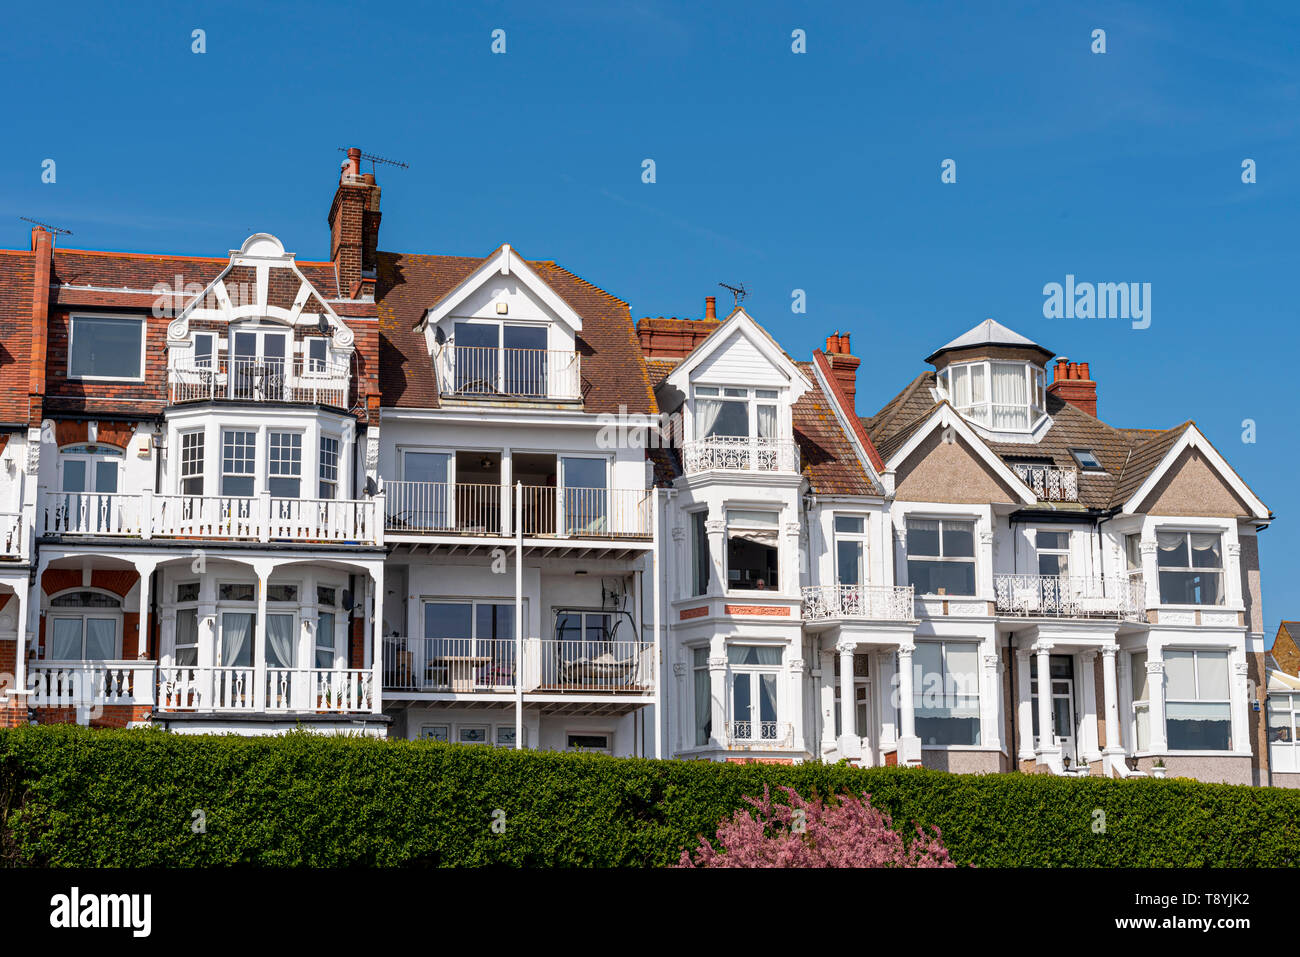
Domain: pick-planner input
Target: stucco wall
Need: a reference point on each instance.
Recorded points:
(941, 471)
(1192, 487)
(1222, 769)
(963, 762)
(1286, 780)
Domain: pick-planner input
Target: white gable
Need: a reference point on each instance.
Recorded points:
(740, 353)
(739, 362)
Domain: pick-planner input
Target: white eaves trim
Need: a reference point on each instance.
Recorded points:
(505, 262)
(945, 416)
(736, 323)
(1192, 438)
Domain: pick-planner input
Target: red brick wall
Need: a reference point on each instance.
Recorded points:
(150, 394)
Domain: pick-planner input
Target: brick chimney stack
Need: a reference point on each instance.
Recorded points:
(354, 228)
(1071, 382)
(845, 366)
(710, 307)
(43, 255)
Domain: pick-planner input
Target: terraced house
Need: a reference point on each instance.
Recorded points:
(468, 498)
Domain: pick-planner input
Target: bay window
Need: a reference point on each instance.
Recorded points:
(703, 695)
(733, 412)
(1191, 567)
(1283, 723)
(941, 556)
(1005, 396)
(945, 692)
(1198, 711)
(752, 552)
(753, 672)
(238, 462)
(285, 457)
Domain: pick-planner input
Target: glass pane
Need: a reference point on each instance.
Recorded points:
(495, 621)
(1180, 676)
(1206, 551)
(105, 347)
(948, 578)
(922, 537)
(1055, 565)
(106, 477)
(1172, 550)
(1212, 675)
(848, 558)
(425, 466)
(851, 524)
(65, 643)
(732, 419)
(281, 641)
(959, 539)
(74, 475)
(1052, 540)
(740, 710)
(767, 697)
(237, 639)
(448, 620)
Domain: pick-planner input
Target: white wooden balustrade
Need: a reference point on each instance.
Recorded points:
(81, 684)
(1058, 596)
(544, 511)
(740, 454)
(524, 374)
(865, 602)
(256, 518)
(241, 379)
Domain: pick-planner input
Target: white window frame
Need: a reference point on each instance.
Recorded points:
(1196, 655)
(1187, 532)
(583, 733)
(184, 459)
(429, 732)
(1141, 707)
(82, 614)
(252, 473)
(700, 665)
(461, 729)
(104, 452)
(182, 606)
(144, 340)
(730, 509)
(755, 674)
(321, 480)
(1040, 551)
(752, 397)
(1035, 386)
(972, 559)
(862, 538)
(215, 356)
(271, 461)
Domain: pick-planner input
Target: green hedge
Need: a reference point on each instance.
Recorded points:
(76, 797)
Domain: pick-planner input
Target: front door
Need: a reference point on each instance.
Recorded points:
(1064, 718)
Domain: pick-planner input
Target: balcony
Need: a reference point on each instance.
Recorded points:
(732, 453)
(861, 602)
(12, 537)
(258, 518)
(527, 375)
(305, 381)
(89, 684)
(543, 511)
(550, 666)
(1050, 483)
(1054, 596)
(245, 689)
(759, 735)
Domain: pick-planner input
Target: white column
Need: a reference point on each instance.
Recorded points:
(374, 639)
(1046, 737)
(991, 725)
(716, 529)
(909, 745)
(263, 570)
(519, 616)
(1109, 689)
(1239, 701)
(656, 580)
(1150, 574)
(718, 690)
(1156, 717)
(1024, 704)
(145, 570)
(794, 698)
(22, 627)
(850, 744)
(826, 695)
(1089, 746)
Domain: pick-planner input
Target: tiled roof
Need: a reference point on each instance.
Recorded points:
(659, 369)
(826, 454)
(613, 371)
(1129, 455)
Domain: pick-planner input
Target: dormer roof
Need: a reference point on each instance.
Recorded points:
(990, 332)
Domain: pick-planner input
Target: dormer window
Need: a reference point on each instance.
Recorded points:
(735, 413)
(1002, 396)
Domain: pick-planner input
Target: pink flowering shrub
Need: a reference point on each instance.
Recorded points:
(845, 832)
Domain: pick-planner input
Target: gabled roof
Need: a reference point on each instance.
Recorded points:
(826, 453)
(989, 333)
(736, 324)
(409, 284)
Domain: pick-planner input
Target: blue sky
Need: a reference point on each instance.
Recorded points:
(818, 171)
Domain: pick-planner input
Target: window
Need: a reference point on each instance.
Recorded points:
(324, 639)
(281, 592)
(734, 412)
(472, 734)
(492, 357)
(435, 732)
(187, 591)
(236, 591)
(468, 645)
(1006, 396)
(1191, 567)
(1133, 554)
(104, 348)
(945, 692)
(238, 462)
(1198, 713)
(317, 353)
(587, 742)
(257, 364)
(285, 479)
(1087, 460)
(83, 625)
(505, 736)
(83, 469)
(754, 670)
(587, 654)
(205, 350)
(701, 561)
(1053, 553)
(185, 646)
(326, 596)
(941, 556)
(861, 696)
(329, 467)
(703, 696)
(585, 498)
(752, 549)
(1283, 723)
(1141, 700)
(192, 463)
(850, 549)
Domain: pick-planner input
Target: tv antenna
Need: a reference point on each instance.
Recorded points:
(378, 159)
(737, 292)
(53, 229)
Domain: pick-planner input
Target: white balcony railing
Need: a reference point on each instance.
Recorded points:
(545, 511)
(862, 602)
(234, 689)
(550, 665)
(524, 374)
(13, 541)
(83, 684)
(1050, 483)
(740, 453)
(240, 379)
(255, 518)
(1056, 596)
(759, 734)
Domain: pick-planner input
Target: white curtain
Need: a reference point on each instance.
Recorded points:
(101, 638)
(706, 416)
(280, 641)
(1205, 550)
(236, 630)
(703, 697)
(65, 643)
(185, 651)
(1010, 396)
(961, 386)
(1169, 543)
(767, 421)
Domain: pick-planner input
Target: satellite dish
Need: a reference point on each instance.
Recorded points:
(323, 325)
(440, 336)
